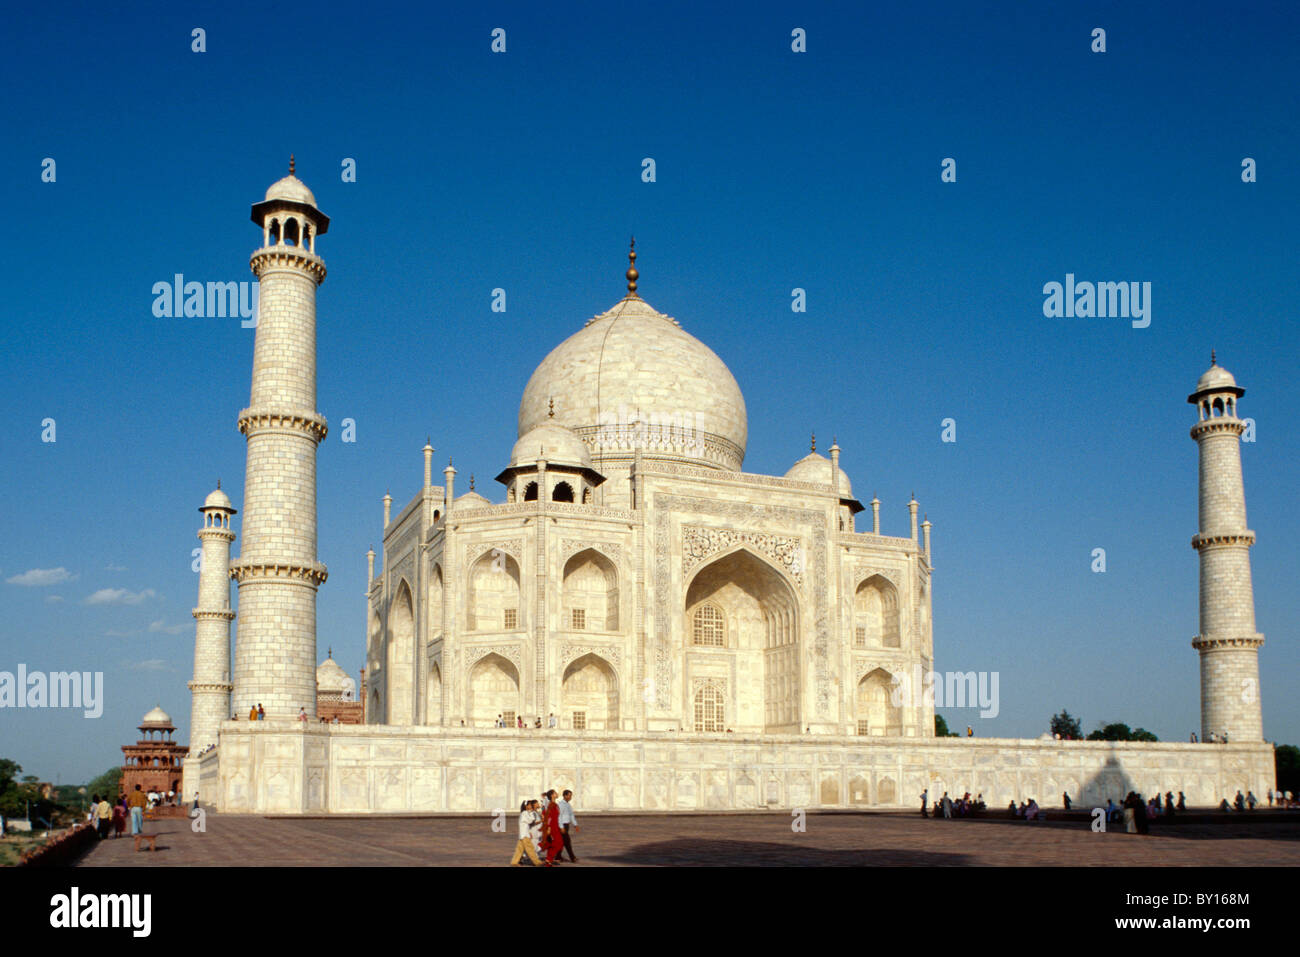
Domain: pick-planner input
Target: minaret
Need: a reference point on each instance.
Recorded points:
(1228, 643)
(277, 570)
(210, 689)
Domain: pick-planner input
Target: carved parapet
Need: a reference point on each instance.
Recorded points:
(282, 420)
(1220, 424)
(220, 614)
(245, 570)
(1203, 539)
(223, 686)
(292, 257)
(1207, 642)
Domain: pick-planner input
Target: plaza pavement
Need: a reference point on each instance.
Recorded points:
(765, 838)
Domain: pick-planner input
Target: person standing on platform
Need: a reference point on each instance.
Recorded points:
(568, 824)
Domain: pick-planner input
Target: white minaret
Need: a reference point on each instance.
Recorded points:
(210, 689)
(1228, 643)
(277, 570)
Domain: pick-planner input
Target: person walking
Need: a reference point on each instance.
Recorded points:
(1065, 797)
(925, 797)
(568, 823)
(252, 713)
(261, 715)
(947, 805)
(552, 836)
(525, 843)
(119, 818)
(104, 816)
(551, 722)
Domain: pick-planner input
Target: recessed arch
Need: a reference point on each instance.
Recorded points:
(760, 609)
(563, 492)
(399, 669)
(590, 592)
(876, 711)
(433, 695)
(530, 492)
(589, 694)
(492, 593)
(493, 689)
(876, 614)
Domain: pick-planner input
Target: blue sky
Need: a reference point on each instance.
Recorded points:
(775, 170)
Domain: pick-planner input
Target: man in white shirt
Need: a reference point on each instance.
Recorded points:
(567, 822)
(528, 818)
(551, 722)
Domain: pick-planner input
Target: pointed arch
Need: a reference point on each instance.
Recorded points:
(590, 592)
(493, 689)
(433, 695)
(876, 614)
(433, 609)
(589, 694)
(563, 492)
(492, 599)
(876, 711)
(760, 628)
(399, 665)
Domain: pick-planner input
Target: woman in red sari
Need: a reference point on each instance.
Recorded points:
(552, 833)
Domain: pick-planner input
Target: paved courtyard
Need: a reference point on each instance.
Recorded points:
(845, 839)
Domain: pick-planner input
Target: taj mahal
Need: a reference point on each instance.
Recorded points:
(690, 636)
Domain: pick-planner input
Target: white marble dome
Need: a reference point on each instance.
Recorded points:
(217, 499)
(816, 468)
(331, 678)
(292, 189)
(1215, 377)
(561, 446)
(633, 378)
(157, 717)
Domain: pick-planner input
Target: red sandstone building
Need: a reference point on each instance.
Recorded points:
(155, 761)
(336, 694)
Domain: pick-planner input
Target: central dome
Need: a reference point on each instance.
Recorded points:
(633, 378)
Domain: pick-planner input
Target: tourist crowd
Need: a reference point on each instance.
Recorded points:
(545, 830)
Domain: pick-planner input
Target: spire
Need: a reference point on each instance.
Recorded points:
(814, 442)
(550, 411)
(330, 653)
(218, 483)
(471, 481)
(1213, 360)
(290, 164)
(631, 270)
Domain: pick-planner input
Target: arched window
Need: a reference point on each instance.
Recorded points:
(1218, 407)
(291, 232)
(275, 231)
(530, 492)
(710, 711)
(563, 493)
(710, 628)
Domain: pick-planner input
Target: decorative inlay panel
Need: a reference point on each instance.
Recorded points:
(699, 542)
(513, 547)
(571, 546)
(572, 650)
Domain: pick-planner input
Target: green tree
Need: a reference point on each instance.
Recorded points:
(8, 771)
(1287, 761)
(1066, 726)
(106, 784)
(941, 728)
(1117, 731)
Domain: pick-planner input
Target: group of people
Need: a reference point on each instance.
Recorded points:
(545, 829)
(503, 722)
(111, 818)
(965, 806)
(1248, 801)
(1216, 737)
(254, 714)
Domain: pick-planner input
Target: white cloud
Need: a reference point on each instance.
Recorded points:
(53, 599)
(120, 596)
(114, 568)
(150, 664)
(41, 577)
(160, 626)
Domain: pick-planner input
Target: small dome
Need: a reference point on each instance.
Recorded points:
(331, 678)
(290, 189)
(555, 443)
(157, 717)
(816, 468)
(217, 499)
(1216, 377)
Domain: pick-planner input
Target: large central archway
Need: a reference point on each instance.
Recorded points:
(740, 607)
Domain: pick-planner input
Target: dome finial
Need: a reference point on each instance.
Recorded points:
(290, 164)
(471, 481)
(550, 411)
(631, 270)
(1213, 360)
(814, 442)
(330, 653)
(218, 483)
